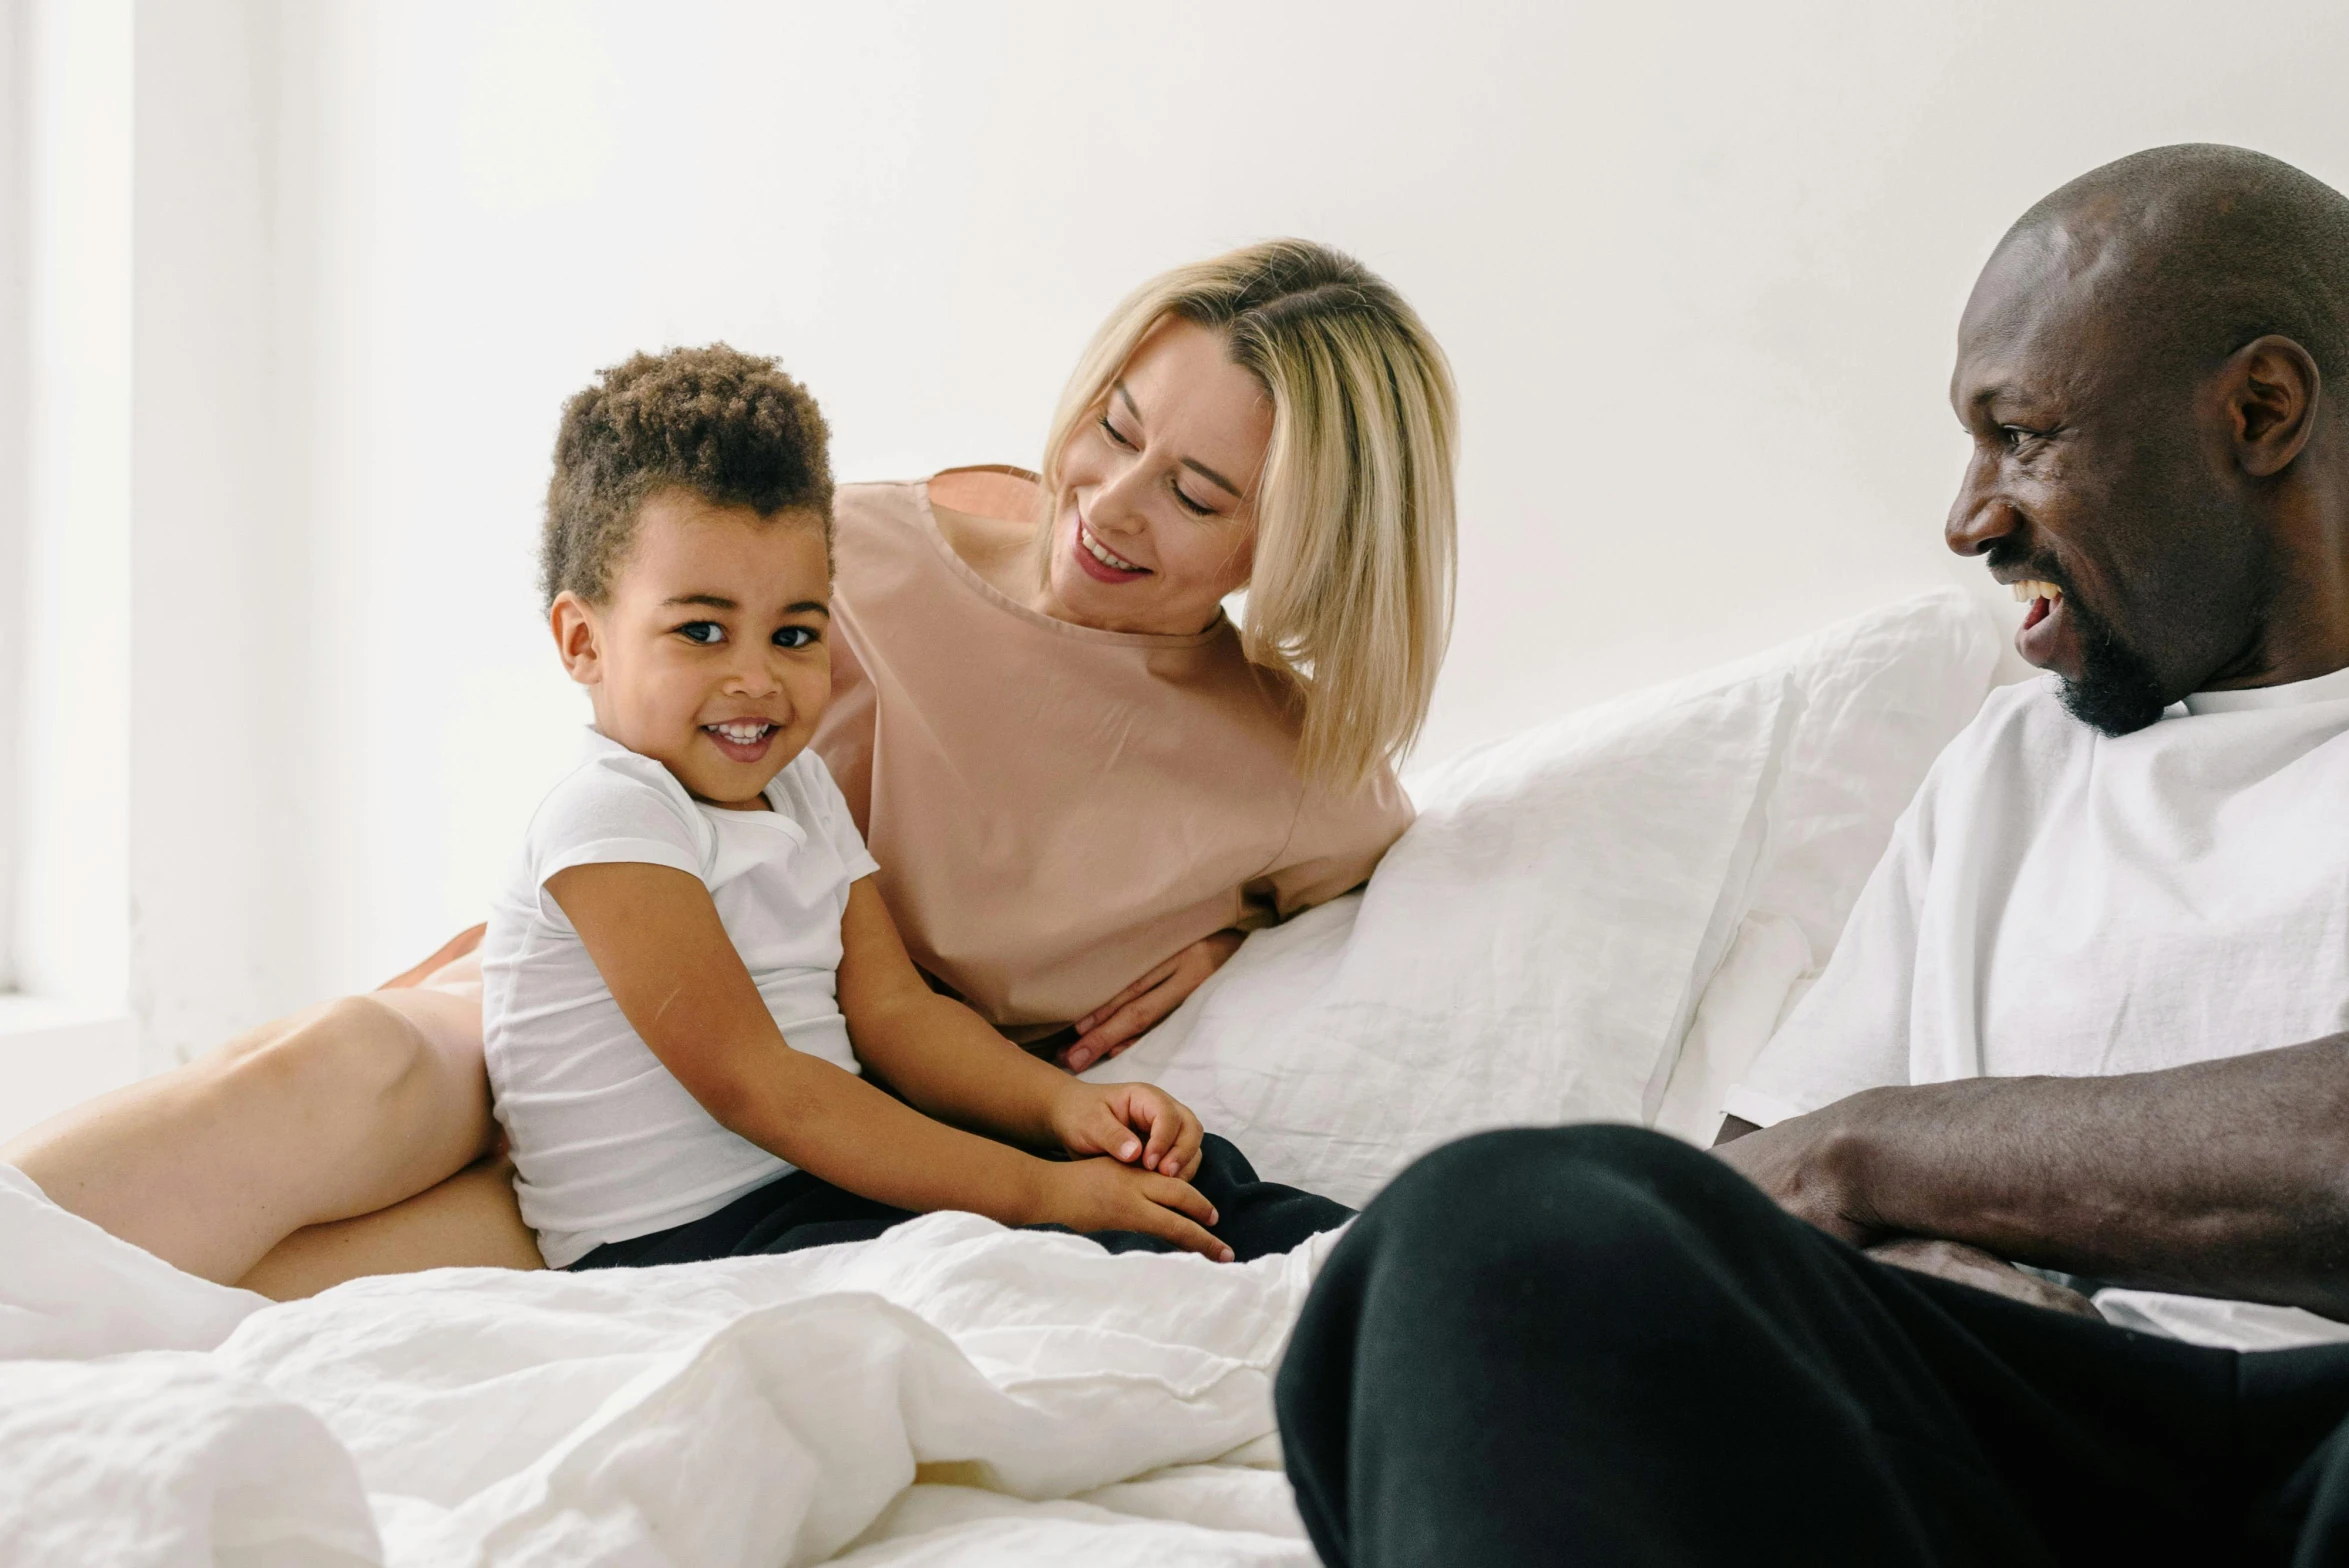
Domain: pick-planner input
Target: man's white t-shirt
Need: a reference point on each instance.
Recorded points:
(2058, 901)
(607, 1144)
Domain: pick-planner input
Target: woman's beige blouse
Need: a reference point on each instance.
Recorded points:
(1057, 809)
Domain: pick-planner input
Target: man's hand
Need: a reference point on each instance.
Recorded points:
(1136, 1124)
(1088, 1195)
(2220, 1178)
(1954, 1260)
(1140, 1007)
(1808, 1165)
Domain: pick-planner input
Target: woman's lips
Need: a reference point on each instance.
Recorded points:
(1089, 551)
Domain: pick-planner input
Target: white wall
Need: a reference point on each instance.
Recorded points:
(71, 544)
(16, 126)
(1698, 267)
(223, 604)
(65, 710)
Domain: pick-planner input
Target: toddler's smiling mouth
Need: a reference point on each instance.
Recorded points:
(744, 740)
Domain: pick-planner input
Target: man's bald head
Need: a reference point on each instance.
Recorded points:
(2205, 248)
(2144, 366)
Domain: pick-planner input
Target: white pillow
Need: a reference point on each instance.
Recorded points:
(1877, 697)
(1528, 952)
(1534, 948)
(1737, 1013)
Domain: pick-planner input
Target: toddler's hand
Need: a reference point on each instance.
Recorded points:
(1089, 1195)
(1134, 1123)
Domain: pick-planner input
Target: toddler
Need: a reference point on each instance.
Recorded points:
(691, 971)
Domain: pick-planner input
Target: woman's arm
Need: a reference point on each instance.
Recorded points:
(1141, 1007)
(657, 941)
(1334, 845)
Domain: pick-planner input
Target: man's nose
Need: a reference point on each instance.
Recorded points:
(1980, 516)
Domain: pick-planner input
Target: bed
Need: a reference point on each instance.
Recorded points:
(1599, 919)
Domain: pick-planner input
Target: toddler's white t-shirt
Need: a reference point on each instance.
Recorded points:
(607, 1144)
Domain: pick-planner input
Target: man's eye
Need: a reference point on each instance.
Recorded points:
(795, 637)
(707, 634)
(2016, 437)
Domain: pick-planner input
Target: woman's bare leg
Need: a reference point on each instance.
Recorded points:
(335, 1112)
(468, 1221)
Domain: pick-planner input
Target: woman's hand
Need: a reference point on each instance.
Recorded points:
(1089, 1195)
(1140, 1007)
(1133, 1123)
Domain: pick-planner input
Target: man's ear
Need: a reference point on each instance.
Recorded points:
(578, 638)
(2272, 388)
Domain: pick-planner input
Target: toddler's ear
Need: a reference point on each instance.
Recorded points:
(578, 639)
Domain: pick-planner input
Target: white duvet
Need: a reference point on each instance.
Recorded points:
(1535, 950)
(952, 1392)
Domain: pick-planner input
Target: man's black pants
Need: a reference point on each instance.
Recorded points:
(1598, 1345)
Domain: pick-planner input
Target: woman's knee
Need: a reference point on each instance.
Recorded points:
(352, 1045)
(367, 1055)
(382, 1094)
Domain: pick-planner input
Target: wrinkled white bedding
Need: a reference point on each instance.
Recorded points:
(951, 1392)
(1533, 951)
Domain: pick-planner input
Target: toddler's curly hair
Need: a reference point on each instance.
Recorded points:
(728, 426)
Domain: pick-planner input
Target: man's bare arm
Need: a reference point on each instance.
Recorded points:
(2227, 1178)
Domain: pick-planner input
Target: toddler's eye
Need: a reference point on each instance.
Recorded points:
(707, 634)
(795, 637)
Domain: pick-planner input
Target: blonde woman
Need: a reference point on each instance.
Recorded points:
(1083, 781)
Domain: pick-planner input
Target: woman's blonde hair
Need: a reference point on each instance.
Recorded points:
(1351, 592)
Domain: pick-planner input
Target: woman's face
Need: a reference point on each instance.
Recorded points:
(1157, 515)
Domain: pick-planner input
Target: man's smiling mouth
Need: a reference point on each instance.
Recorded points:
(2043, 597)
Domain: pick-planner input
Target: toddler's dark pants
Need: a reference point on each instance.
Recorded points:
(1595, 1345)
(1254, 1218)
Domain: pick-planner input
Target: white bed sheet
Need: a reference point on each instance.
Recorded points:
(951, 1392)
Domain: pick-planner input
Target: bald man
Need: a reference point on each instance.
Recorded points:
(2088, 1016)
